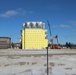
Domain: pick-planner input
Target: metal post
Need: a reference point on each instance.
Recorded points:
(49, 28)
(24, 38)
(47, 62)
(57, 41)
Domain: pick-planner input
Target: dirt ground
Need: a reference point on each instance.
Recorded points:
(31, 62)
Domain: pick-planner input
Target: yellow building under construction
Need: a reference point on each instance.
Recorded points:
(34, 35)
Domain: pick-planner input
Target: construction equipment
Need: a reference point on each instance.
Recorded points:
(53, 46)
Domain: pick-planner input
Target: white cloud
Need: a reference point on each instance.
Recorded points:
(9, 13)
(73, 22)
(19, 12)
(61, 26)
(64, 26)
(70, 35)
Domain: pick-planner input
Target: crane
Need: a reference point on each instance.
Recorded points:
(51, 39)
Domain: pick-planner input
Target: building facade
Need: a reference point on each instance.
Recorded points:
(34, 35)
(17, 45)
(5, 42)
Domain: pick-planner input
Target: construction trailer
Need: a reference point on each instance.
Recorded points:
(5, 42)
(34, 35)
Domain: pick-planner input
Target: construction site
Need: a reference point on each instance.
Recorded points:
(34, 56)
(37, 37)
(34, 35)
(34, 62)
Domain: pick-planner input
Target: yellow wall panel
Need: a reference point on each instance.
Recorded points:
(34, 38)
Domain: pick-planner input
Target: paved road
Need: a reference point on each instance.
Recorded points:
(29, 52)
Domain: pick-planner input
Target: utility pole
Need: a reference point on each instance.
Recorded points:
(47, 63)
(47, 47)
